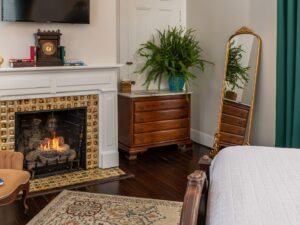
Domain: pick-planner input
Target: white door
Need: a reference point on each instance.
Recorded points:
(139, 20)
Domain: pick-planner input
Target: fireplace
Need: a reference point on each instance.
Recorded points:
(39, 89)
(52, 141)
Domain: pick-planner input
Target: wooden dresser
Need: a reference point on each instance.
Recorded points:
(153, 120)
(234, 122)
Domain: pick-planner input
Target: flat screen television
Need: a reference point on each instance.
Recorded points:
(46, 11)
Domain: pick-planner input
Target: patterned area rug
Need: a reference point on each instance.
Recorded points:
(78, 177)
(80, 208)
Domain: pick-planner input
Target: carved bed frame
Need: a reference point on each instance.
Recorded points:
(195, 200)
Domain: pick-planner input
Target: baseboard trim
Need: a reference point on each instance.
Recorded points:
(109, 159)
(202, 138)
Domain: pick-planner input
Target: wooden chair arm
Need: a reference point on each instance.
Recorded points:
(191, 204)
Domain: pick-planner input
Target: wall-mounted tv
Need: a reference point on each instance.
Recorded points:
(46, 11)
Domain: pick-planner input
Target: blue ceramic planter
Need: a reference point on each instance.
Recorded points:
(176, 83)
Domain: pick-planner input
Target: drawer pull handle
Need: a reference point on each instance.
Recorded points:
(141, 129)
(141, 138)
(142, 108)
(240, 122)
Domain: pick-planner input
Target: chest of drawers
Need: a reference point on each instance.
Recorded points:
(153, 121)
(234, 123)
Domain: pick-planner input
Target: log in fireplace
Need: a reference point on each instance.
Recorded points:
(52, 141)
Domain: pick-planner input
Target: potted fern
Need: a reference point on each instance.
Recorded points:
(236, 75)
(170, 55)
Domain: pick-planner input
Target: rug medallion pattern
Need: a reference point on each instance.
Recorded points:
(80, 208)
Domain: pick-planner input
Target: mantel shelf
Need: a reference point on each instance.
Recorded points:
(59, 68)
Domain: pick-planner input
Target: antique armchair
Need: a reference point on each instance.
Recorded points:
(15, 178)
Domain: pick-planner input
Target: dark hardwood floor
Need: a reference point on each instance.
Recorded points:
(159, 174)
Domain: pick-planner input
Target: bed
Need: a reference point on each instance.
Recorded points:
(254, 186)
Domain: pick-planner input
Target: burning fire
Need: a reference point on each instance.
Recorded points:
(52, 144)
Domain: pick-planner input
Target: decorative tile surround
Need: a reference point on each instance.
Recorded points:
(91, 102)
(73, 178)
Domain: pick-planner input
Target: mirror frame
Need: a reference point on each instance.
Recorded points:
(243, 30)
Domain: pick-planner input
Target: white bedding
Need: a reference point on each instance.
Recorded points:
(255, 186)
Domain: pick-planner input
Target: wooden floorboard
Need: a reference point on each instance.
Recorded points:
(159, 174)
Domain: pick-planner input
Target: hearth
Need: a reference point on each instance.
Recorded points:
(52, 141)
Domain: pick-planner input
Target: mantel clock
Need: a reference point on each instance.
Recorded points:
(48, 48)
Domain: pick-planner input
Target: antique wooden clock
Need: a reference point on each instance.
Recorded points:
(48, 48)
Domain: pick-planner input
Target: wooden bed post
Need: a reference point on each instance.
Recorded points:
(191, 204)
(204, 164)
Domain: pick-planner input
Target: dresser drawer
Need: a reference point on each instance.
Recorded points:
(161, 125)
(237, 104)
(233, 120)
(160, 136)
(231, 138)
(233, 129)
(235, 111)
(160, 105)
(143, 117)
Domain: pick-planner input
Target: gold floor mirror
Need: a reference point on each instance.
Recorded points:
(238, 90)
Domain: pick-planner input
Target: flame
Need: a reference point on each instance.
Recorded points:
(52, 144)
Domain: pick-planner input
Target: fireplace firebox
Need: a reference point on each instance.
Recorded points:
(52, 141)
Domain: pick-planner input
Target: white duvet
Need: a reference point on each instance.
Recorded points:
(255, 186)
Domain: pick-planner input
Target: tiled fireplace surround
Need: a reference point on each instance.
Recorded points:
(90, 102)
(39, 89)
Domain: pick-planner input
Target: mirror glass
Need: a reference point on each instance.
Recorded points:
(241, 68)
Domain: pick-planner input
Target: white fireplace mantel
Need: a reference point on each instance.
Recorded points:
(43, 82)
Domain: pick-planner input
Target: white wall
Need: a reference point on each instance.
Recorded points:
(215, 21)
(94, 43)
(263, 20)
